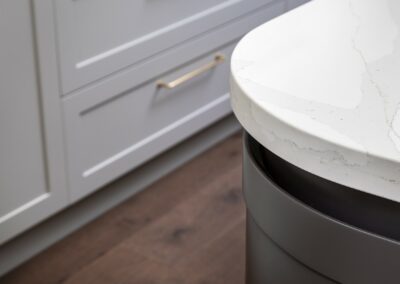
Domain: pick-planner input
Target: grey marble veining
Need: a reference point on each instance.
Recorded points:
(320, 87)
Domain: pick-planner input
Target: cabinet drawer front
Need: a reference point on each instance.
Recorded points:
(98, 37)
(118, 133)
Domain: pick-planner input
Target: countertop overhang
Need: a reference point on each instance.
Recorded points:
(320, 87)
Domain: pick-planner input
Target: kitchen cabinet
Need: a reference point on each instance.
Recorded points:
(81, 102)
(121, 122)
(32, 186)
(99, 37)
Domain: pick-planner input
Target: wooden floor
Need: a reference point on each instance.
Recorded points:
(186, 228)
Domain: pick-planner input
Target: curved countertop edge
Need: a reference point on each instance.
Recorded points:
(346, 166)
(325, 97)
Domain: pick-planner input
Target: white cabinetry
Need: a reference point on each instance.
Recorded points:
(118, 123)
(80, 103)
(99, 37)
(30, 187)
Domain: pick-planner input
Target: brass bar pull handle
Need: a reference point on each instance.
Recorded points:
(219, 58)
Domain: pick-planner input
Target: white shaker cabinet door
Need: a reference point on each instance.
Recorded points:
(97, 38)
(29, 189)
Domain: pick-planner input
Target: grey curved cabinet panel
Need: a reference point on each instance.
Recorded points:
(305, 229)
(30, 190)
(99, 37)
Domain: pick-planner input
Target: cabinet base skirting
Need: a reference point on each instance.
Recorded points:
(305, 229)
(34, 241)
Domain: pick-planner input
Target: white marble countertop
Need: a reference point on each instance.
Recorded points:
(320, 87)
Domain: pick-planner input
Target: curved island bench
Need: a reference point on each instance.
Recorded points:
(317, 91)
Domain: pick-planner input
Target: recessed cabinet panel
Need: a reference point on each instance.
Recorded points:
(99, 37)
(26, 194)
(22, 165)
(124, 120)
(112, 136)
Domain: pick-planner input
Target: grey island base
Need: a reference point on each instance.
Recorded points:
(318, 89)
(304, 229)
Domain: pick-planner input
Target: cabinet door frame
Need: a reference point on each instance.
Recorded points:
(56, 195)
(79, 70)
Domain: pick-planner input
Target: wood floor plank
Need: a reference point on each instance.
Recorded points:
(125, 266)
(221, 261)
(195, 222)
(187, 230)
(63, 261)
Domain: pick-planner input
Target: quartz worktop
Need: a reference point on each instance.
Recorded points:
(320, 87)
